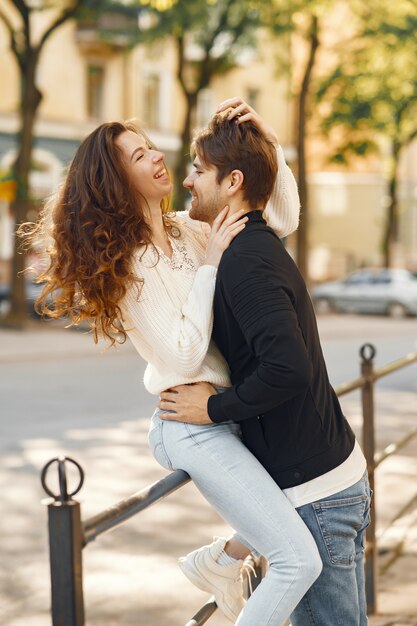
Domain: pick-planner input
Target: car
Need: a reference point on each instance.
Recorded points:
(385, 291)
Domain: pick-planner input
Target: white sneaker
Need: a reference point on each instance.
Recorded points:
(224, 582)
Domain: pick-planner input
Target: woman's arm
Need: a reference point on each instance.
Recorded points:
(282, 211)
(174, 325)
(166, 333)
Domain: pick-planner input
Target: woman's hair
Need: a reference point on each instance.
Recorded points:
(227, 146)
(90, 229)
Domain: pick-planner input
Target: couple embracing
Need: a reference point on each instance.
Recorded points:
(213, 302)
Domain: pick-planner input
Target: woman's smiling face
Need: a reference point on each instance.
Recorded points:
(145, 166)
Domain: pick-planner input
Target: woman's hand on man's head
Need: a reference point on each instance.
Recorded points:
(242, 112)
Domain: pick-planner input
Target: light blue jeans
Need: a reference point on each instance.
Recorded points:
(338, 525)
(244, 494)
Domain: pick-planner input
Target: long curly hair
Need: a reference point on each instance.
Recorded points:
(90, 229)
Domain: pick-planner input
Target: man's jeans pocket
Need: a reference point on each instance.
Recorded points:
(340, 522)
(156, 446)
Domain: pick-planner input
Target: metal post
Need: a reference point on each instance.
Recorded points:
(65, 548)
(203, 615)
(367, 353)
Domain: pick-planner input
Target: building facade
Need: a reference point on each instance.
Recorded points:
(85, 80)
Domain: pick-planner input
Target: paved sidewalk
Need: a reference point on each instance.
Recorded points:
(397, 598)
(130, 575)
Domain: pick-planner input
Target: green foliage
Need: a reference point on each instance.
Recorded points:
(114, 21)
(289, 16)
(210, 38)
(219, 30)
(371, 97)
(374, 89)
(360, 147)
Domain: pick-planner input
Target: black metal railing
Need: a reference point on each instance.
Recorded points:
(68, 535)
(367, 385)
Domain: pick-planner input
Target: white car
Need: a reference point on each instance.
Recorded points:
(388, 291)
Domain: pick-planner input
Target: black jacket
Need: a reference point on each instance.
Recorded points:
(265, 326)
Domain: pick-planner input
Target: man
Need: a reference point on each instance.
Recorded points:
(291, 420)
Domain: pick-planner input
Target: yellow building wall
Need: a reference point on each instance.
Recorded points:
(346, 212)
(346, 222)
(62, 77)
(260, 74)
(157, 57)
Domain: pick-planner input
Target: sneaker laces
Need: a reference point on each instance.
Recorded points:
(248, 569)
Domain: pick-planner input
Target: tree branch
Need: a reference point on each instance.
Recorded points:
(24, 11)
(180, 56)
(219, 28)
(222, 21)
(65, 15)
(205, 71)
(21, 7)
(412, 136)
(314, 44)
(12, 33)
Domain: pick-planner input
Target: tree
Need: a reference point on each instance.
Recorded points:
(17, 16)
(18, 21)
(300, 20)
(302, 114)
(208, 37)
(371, 97)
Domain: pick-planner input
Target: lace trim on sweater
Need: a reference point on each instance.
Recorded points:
(180, 259)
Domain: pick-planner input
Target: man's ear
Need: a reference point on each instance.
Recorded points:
(234, 182)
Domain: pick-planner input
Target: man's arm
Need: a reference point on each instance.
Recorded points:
(265, 314)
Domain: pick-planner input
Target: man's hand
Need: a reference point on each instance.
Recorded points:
(189, 403)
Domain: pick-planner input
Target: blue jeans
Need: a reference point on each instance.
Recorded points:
(245, 495)
(338, 524)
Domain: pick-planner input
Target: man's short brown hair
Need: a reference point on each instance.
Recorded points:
(230, 146)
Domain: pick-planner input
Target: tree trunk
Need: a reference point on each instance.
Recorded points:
(180, 194)
(302, 105)
(391, 220)
(31, 98)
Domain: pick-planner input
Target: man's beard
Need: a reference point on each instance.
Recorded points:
(207, 211)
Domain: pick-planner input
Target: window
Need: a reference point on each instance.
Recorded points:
(359, 278)
(382, 279)
(152, 99)
(95, 82)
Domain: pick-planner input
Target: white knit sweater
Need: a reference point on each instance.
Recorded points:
(170, 322)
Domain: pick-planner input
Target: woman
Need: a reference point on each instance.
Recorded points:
(117, 257)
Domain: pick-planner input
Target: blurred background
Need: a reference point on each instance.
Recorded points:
(338, 81)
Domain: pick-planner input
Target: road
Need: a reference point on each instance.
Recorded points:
(62, 380)
(61, 394)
